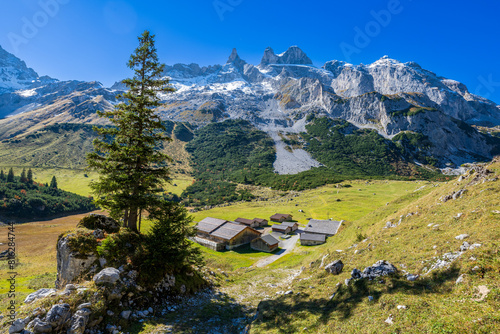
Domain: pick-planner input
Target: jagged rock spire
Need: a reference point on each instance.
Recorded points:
(294, 55)
(235, 59)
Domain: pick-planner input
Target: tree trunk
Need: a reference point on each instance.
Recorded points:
(125, 219)
(132, 219)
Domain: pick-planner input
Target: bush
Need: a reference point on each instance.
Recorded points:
(102, 222)
(83, 242)
(119, 246)
(167, 248)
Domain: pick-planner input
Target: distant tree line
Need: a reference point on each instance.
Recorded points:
(21, 196)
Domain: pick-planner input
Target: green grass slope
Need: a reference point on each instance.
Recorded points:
(434, 303)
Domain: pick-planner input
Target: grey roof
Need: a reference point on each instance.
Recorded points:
(228, 230)
(209, 224)
(244, 221)
(281, 215)
(280, 227)
(291, 224)
(312, 237)
(269, 239)
(327, 227)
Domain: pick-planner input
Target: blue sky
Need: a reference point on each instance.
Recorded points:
(92, 39)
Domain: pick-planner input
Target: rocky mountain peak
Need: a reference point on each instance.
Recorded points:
(235, 59)
(14, 73)
(293, 56)
(269, 57)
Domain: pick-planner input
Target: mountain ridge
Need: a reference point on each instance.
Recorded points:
(279, 94)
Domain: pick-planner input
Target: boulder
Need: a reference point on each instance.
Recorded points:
(39, 294)
(355, 273)
(107, 276)
(70, 265)
(79, 321)
(17, 326)
(58, 316)
(39, 326)
(380, 268)
(101, 222)
(335, 267)
(125, 314)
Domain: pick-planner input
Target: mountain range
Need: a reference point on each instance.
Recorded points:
(278, 96)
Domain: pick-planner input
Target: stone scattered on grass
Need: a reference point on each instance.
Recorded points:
(402, 307)
(462, 236)
(335, 267)
(460, 279)
(411, 277)
(42, 293)
(389, 320)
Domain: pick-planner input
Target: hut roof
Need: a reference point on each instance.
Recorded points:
(269, 239)
(209, 224)
(312, 237)
(280, 227)
(327, 227)
(228, 230)
(280, 215)
(244, 221)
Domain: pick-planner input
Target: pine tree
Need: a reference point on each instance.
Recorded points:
(10, 176)
(2, 175)
(30, 176)
(24, 179)
(53, 182)
(127, 155)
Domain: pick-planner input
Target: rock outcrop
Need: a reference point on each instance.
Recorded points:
(70, 264)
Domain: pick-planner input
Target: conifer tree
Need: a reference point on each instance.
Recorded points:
(2, 175)
(10, 175)
(53, 182)
(127, 155)
(23, 176)
(30, 176)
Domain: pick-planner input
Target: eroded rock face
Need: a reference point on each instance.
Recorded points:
(70, 265)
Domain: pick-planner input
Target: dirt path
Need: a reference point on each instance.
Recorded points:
(286, 246)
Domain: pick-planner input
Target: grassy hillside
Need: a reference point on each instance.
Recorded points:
(434, 302)
(65, 146)
(234, 151)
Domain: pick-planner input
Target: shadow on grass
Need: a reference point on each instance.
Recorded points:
(215, 313)
(277, 314)
(246, 249)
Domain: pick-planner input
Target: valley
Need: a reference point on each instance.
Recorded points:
(246, 295)
(406, 159)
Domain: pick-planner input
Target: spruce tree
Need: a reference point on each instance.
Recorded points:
(2, 175)
(127, 155)
(53, 182)
(10, 176)
(24, 179)
(30, 176)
